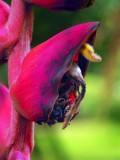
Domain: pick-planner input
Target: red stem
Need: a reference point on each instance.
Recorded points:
(16, 19)
(21, 129)
(22, 138)
(22, 47)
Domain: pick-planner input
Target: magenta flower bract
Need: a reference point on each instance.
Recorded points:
(35, 90)
(70, 5)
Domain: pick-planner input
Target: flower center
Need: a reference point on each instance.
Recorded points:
(69, 93)
(72, 89)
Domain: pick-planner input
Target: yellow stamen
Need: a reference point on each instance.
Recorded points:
(88, 52)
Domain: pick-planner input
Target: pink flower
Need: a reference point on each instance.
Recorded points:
(44, 82)
(35, 79)
(70, 5)
(36, 88)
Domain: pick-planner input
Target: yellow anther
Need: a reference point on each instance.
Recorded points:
(88, 52)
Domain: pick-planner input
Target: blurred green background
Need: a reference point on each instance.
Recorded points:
(94, 134)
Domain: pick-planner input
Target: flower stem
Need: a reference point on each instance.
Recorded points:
(21, 135)
(22, 47)
(21, 130)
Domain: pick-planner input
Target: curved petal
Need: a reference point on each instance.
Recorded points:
(5, 115)
(68, 5)
(36, 88)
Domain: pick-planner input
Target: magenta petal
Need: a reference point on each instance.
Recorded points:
(68, 5)
(36, 88)
(5, 115)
